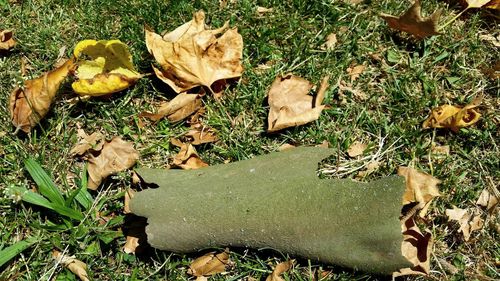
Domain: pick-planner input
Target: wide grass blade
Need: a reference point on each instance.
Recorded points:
(14, 250)
(45, 185)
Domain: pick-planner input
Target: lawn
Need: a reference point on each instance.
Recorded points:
(403, 80)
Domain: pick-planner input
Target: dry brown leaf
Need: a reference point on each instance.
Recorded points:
(280, 269)
(416, 248)
(7, 41)
(290, 103)
(487, 200)
(355, 71)
(209, 264)
(420, 188)
(323, 144)
(412, 22)
(476, 3)
(131, 244)
(95, 142)
(331, 41)
(199, 134)
(115, 156)
(467, 223)
(453, 117)
(177, 109)
(357, 148)
(440, 149)
(30, 104)
(78, 267)
(370, 168)
(192, 56)
(286, 146)
(129, 194)
(187, 158)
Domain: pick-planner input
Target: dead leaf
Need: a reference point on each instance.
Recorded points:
(7, 41)
(95, 142)
(280, 269)
(357, 148)
(440, 149)
(187, 158)
(104, 67)
(261, 11)
(286, 146)
(412, 22)
(467, 223)
(290, 102)
(487, 200)
(416, 248)
(177, 109)
(200, 134)
(192, 56)
(209, 264)
(115, 156)
(331, 41)
(30, 104)
(420, 188)
(370, 168)
(476, 3)
(453, 117)
(355, 72)
(129, 194)
(131, 244)
(78, 267)
(495, 41)
(323, 144)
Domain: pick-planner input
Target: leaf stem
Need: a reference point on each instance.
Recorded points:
(453, 19)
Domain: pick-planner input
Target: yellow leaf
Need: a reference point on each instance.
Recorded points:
(453, 117)
(209, 264)
(412, 22)
(7, 41)
(280, 269)
(476, 3)
(192, 56)
(78, 267)
(467, 223)
(420, 188)
(290, 103)
(109, 68)
(30, 104)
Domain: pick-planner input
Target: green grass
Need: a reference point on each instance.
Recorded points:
(404, 79)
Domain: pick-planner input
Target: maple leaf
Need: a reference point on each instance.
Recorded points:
(290, 102)
(7, 41)
(412, 22)
(192, 56)
(31, 103)
(109, 68)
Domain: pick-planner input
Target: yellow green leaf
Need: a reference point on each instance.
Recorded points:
(104, 67)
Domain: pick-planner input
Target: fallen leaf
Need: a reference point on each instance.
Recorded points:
(116, 155)
(487, 200)
(370, 168)
(209, 264)
(261, 11)
(200, 134)
(357, 148)
(78, 267)
(131, 244)
(416, 248)
(95, 142)
(104, 67)
(467, 223)
(177, 109)
(323, 144)
(129, 194)
(355, 71)
(290, 102)
(412, 22)
(420, 188)
(331, 41)
(476, 3)
(453, 117)
(495, 41)
(29, 105)
(280, 269)
(285, 146)
(7, 41)
(192, 56)
(440, 149)
(187, 158)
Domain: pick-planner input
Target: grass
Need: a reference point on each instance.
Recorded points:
(404, 79)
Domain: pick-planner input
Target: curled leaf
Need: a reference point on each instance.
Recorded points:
(187, 158)
(31, 103)
(290, 103)
(107, 70)
(420, 188)
(209, 264)
(281, 268)
(453, 117)
(116, 155)
(487, 200)
(192, 56)
(177, 109)
(78, 267)
(413, 23)
(7, 41)
(200, 134)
